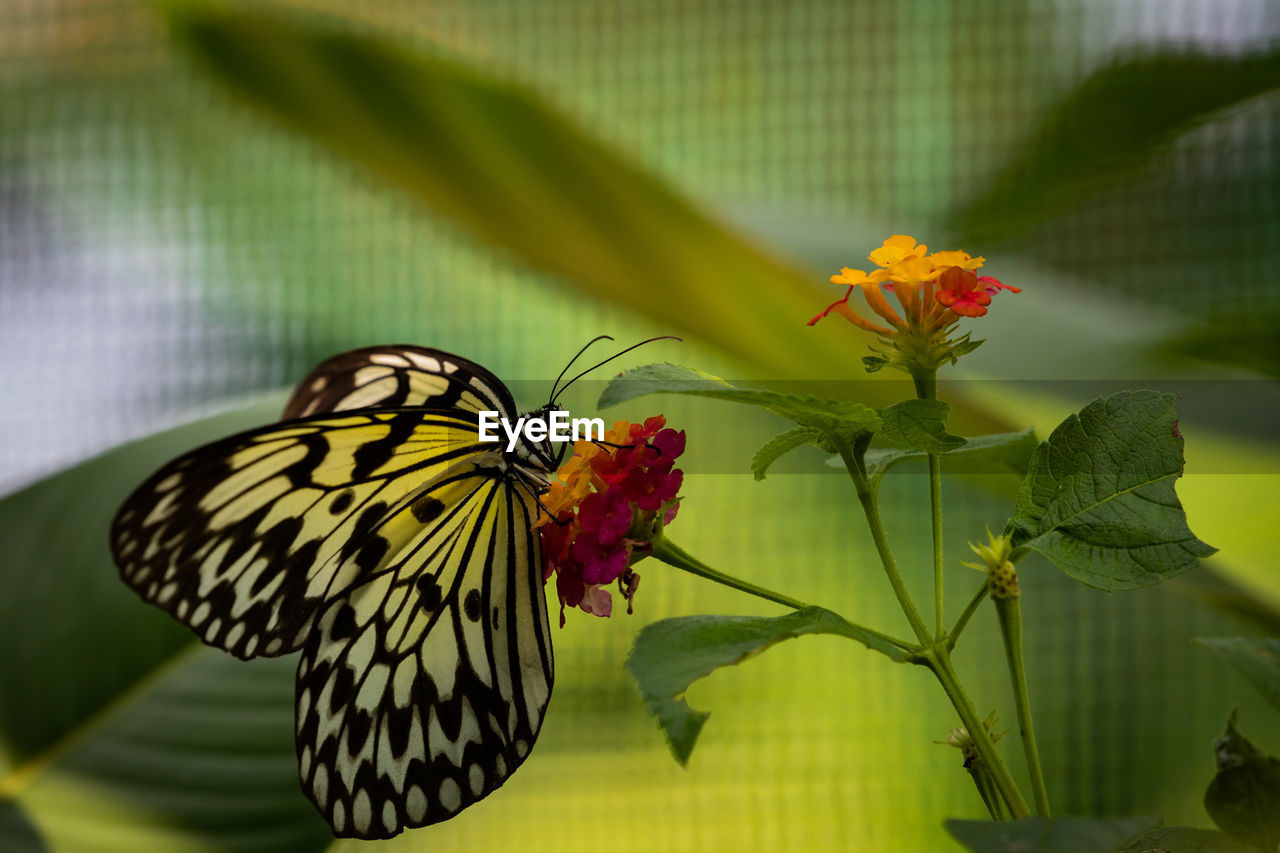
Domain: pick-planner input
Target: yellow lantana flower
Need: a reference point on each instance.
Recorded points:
(942, 260)
(896, 249)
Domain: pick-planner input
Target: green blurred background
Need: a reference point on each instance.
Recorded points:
(170, 250)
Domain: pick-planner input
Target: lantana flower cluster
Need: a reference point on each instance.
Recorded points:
(601, 513)
(933, 292)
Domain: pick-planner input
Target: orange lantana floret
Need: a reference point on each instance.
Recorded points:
(933, 292)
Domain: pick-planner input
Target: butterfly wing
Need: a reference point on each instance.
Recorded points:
(399, 376)
(422, 689)
(243, 539)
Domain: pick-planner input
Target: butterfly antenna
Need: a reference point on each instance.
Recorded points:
(612, 357)
(585, 347)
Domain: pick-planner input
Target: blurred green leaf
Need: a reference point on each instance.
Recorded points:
(1212, 587)
(119, 730)
(1108, 129)
(491, 156)
(76, 636)
(17, 833)
(1099, 501)
(1256, 658)
(918, 425)
(840, 417)
(1048, 835)
(1247, 339)
(671, 654)
(1244, 797)
(1184, 839)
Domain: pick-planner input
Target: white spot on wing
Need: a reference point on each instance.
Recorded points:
(450, 795)
(415, 804)
(361, 811)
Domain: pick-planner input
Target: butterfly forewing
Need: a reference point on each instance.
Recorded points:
(424, 688)
(242, 539)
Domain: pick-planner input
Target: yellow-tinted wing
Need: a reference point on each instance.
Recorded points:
(244, 539)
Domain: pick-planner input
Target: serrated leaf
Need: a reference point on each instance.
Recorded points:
(1108, 129)
(918, 425)
(1244, 797)
(1099, 500)
(1184, 839)
(830, 416)
(671, 654)
(1048, 835)
(780, 445)
(1256, 658)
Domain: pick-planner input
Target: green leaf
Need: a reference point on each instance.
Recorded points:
(1107, 130)
(495, 158)
(1008, 450)
(1256, 658)
(830, 416)
(671, 654)
(1184, 839)
(118, 729)
(1048, 835)
(780, 445)
(918, 425)
(1244, 797)
(1099, 501)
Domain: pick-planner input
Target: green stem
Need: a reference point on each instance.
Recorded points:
(940, 664)
(1010, 612)
(926, 382)
(986, 790)
(935, 503)
(969, 609)
(673, 555)
(872, 512)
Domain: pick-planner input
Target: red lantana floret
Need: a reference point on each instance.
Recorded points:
(608, 501)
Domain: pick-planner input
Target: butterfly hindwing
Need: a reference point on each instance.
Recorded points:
(243, 539)
(422, 689)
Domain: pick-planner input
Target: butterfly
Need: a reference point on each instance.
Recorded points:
(372, 531)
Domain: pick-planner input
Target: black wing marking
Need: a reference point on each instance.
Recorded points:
(243, 539)
(423, 689)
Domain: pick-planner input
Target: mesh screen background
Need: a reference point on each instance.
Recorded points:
(163, 254)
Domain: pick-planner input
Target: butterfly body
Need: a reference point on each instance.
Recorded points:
(374, 532)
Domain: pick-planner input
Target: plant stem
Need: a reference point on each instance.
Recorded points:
(673, 555)
(872, 512)
(986, 790)
(926, 383)
(940, 664)
(934, 654)
(969, 609)
(1010, 612)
